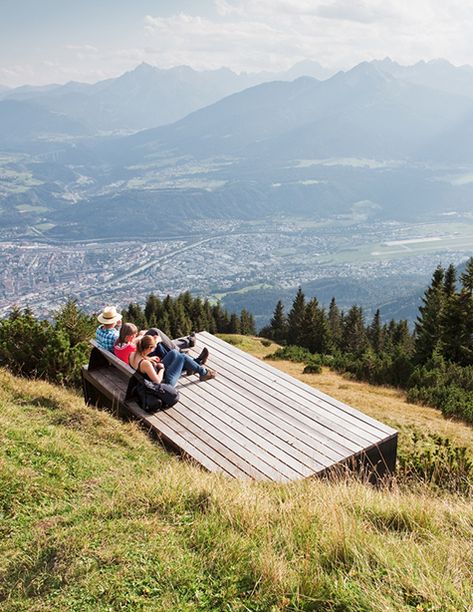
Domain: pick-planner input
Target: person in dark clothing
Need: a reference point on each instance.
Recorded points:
(170, 368)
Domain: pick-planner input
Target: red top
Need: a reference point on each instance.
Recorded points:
(123, 351)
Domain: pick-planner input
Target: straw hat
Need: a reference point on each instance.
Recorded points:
(109, 315)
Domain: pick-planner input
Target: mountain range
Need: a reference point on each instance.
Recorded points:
(147, 96)
(381, 140)
(367, 112)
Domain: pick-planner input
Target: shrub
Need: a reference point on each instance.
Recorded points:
(291, 353)
(313, 367)
(35, 348)
(437, 461)
(265, 342)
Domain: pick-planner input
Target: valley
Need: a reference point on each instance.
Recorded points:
(242, 264)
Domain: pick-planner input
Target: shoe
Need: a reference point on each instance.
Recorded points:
(191, 340)
(202, 358)
(210, 374)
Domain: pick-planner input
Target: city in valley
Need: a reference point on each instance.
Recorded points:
(224, 260)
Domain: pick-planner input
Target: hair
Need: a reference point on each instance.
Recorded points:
(126, 330)
(144, 343)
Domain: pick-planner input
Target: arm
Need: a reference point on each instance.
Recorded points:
(148, 367)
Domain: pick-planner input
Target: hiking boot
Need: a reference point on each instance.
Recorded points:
(210, 374)
(202, 358)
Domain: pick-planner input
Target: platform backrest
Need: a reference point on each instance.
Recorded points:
(98, 356)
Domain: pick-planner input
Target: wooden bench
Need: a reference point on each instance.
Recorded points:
(253, 420)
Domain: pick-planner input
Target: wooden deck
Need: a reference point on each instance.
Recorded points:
(254, 421)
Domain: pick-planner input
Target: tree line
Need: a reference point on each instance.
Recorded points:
(434, 362)
(56, 350)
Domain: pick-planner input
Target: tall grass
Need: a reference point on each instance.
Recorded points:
(96, 516)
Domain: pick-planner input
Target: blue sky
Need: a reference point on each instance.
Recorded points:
(45, 41)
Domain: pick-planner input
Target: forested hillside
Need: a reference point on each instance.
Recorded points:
(434, 363)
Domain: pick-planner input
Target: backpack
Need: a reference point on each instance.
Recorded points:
(151, 396)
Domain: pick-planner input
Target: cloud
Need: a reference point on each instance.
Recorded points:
(254, 35)
(83, 48)
(274, 34)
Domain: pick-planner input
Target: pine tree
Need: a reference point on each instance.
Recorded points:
(467, 276)
(402, 337)
(234, 327)
(180, 323)
(152, 310)
(457, 328)
(77, 326)
(295, 333)
(354, 333)
(134, 314)
(335, 324)
(429, 322)
(450, 281)
(278, 324)
(316, 333)
(375, 333)
(247, 323)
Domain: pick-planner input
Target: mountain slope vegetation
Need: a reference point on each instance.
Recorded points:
(96, 515)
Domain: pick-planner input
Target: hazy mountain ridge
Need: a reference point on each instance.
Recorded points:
(361, 113)
(148, 96)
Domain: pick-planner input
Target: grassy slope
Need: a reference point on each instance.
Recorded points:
(96, 516)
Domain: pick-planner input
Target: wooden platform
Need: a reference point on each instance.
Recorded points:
(254, 421)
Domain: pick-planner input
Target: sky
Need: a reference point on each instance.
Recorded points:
(55, 41)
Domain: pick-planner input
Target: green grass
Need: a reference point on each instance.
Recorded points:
(94, 515)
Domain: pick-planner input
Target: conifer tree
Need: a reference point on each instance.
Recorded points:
(355, 339)
(180, 323)
(152, 308)
(450, 281)
(247, 323)
(278, 324)
(457, 328)
(335, 324)
(134, 314)
(429, 322)
(402, 337)
(467, 276)
(295, 332)
(316, 334)
(375, 333)
(234, 327)
(77, 326)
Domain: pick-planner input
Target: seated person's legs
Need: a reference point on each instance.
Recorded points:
(175, 362)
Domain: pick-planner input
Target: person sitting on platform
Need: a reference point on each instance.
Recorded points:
(170, 368)
(107, 333)
(126, 342)
(164, 345)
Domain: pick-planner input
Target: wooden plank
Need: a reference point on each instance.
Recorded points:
(212, 341)
(257, 395)
(217, 442)
(258, 428)
(353, 438)
(100, 382)
(202, 440)
(252, 420)
(114, 360)
(260, 450)
(365, 433)
(300, 444)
